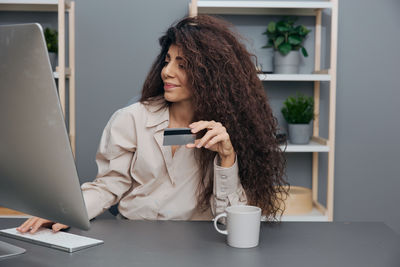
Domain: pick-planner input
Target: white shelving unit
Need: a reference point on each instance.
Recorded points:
(63, 72)
(295, 77)
(317, 144)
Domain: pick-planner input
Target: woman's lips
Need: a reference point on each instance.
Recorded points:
(169, 86)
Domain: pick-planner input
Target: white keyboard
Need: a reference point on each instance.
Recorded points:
(60, 240)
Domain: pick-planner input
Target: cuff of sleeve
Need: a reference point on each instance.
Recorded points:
(226, 180)
(93, 201)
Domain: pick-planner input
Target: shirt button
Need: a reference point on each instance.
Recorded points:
(223, 176)
(223, 189)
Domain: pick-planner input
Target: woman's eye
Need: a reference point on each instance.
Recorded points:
(165, 63)
(181, 66)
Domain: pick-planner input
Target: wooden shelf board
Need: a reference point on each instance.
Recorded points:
(262, 7)
(8, 213)
(294, 77)
(310, 147)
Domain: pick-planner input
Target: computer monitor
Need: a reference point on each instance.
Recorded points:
(38, 175)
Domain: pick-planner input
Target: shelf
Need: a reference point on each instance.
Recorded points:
(314, 216)
(8, 213)
(67, 73)
(30, 5)
(294, 77)
(306, 8)
(310, 147)
(315, 8)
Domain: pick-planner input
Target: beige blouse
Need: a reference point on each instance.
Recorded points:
(136, 170)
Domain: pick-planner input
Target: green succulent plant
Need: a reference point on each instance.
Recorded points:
(284, 36)
(298, 109)
(51, 37)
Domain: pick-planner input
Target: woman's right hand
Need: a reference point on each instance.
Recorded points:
(33, 224)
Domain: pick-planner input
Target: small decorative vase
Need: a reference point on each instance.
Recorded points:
(288, 64)
(300, 133)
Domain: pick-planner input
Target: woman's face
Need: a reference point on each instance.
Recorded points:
(174, 76)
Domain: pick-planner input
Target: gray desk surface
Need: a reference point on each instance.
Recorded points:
(192, 244)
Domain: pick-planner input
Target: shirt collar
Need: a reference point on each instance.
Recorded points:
(157, 113)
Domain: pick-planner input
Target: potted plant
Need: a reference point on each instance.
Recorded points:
(286, 40)
(51, 37)
(298, 112)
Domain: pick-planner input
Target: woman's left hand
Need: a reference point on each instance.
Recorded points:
(216, 139)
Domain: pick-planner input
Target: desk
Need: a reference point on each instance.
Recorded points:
(192, 244)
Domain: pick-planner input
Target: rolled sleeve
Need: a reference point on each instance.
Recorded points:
(228, 190)
(113, 158)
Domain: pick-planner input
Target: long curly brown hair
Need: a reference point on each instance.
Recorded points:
(226, 89)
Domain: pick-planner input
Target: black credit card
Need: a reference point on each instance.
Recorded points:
(178, 136)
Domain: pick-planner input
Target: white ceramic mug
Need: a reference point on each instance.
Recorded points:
(242, 225)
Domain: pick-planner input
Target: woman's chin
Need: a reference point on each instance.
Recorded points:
(174, 97)
(169, 98)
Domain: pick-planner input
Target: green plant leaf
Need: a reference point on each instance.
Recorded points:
(293, 36)
(271, 27)
(285, 48)
(267, 46)
(51, 37)
(303, 30)
(283, 29)
(298, 109)
(304, 51)
(294, 39)
(282, 26)
(298, 29)
(279, 41)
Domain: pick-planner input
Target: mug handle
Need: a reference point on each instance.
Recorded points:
(225, 232)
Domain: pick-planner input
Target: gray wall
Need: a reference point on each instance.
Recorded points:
(367, 179)
(117, 41)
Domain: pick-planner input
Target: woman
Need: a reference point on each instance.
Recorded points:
(203, 79)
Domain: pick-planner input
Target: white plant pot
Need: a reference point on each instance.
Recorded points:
(300, 133)
(266, 60)
(288, 64)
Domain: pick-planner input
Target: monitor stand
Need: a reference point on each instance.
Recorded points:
(7, 250)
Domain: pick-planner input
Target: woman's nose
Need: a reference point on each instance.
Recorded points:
(168, 70)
